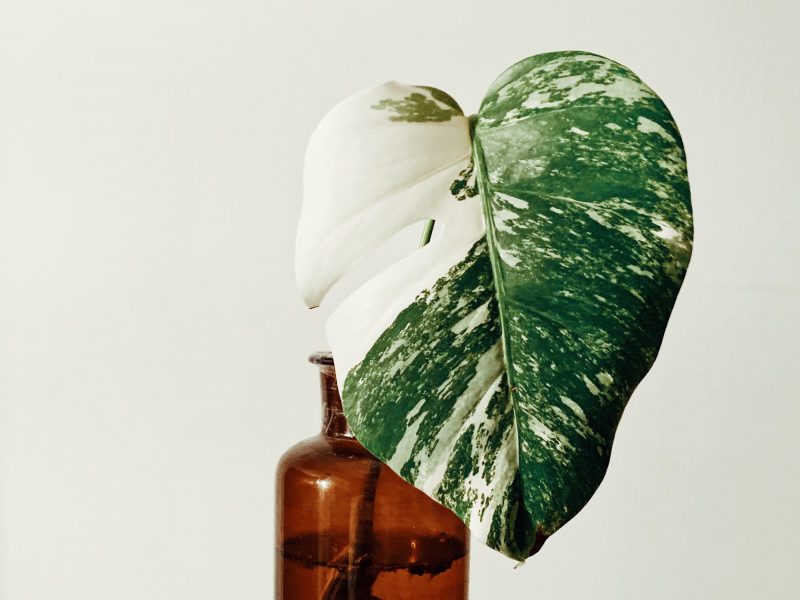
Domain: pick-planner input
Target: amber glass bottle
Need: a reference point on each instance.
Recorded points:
(349, 528)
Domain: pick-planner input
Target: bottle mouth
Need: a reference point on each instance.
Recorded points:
(323, 357)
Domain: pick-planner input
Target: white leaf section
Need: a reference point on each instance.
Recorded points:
(368, 174)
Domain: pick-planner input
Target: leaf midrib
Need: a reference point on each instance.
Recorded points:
(499, 282)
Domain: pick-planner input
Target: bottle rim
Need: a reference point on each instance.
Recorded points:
(321, 357)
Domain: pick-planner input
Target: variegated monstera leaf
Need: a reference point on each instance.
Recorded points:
(490, 368)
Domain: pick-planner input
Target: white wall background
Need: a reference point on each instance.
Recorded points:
(152, 343)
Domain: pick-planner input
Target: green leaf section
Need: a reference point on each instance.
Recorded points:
(420, 107)
(499, 390)
(442, 426)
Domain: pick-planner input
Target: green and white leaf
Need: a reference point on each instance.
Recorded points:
(491, 367)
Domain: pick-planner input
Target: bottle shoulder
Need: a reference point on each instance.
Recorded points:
(321, 452)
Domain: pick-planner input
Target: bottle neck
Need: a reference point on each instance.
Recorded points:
(334, 423)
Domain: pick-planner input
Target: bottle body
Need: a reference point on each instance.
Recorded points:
(349, 528)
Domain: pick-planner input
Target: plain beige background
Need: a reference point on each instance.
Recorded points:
(152, 343)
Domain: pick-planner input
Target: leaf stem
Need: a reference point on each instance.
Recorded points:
(426, 233)
(358, 577)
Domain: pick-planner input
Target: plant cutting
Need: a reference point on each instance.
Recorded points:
(490, 367)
